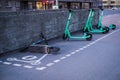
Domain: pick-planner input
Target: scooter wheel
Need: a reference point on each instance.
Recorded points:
(53, 49)
(106, 30)
(89, 38)
(113, 27)
(65, 36)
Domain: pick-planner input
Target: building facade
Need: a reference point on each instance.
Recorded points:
(111, 3)
(16, 5)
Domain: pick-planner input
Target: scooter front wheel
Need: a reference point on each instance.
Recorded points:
(105, 30)
(65, 36)
(90, 36)
(113, 26)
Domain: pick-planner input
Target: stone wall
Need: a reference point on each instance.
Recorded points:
(20, 29)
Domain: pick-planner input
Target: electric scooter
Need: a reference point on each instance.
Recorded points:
(89, 28)
(67, 33)
(111, 26)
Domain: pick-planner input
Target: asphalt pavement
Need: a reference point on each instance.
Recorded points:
(77, 60)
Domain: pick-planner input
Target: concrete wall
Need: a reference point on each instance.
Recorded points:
(20, 29)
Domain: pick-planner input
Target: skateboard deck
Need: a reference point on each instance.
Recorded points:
(38, 48)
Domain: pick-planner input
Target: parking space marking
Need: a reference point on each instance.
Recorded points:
(17, 65)
(62, 58)
(50, 64)
(77, 50)
(81, 49)
(27, 66)
(84, 47)
(72, 53)
(68, 55)
(8, 63)
(56, 61)
(40, 68)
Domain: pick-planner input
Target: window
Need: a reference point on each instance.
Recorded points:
(39, 5)
(112, 2)
(75, 5)
(8, 4)
(104, 2)
(30, 6)
(17, 4)
(62, 5)
(0, 4)
(85, 5)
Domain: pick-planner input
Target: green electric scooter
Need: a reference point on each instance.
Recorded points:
(67, 33)
(89, 28)
(111, 26)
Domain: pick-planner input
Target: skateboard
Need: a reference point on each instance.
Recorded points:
(38, 48)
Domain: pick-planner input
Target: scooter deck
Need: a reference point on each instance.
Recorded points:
(96, 31)
(43, 49)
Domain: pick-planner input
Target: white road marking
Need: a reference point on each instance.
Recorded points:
(72, 53)
(62, 57)
(27, 66)
(84, 47)
(8, 63)
(88, 45)
(68, 55)
(77, 50)
(49, 64)
(17, 65)
(1, 61)
(56, 61)
(41, 68)
(91, 43)
(81, 49)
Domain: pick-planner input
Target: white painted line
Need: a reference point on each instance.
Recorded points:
(84, 47)
(91, 43)
(68, 55)
(41, 68)
(77, 50)
(17, 65)
(72, 53)
(56, 61)
(49, 64)
(62, 57)
(88, 45)
(81, 49)
(8, 63)
(1, 61)
(27, 66)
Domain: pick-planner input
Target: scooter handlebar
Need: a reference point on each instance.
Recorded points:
(70, 10)
(101, 9)
(91, 9)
